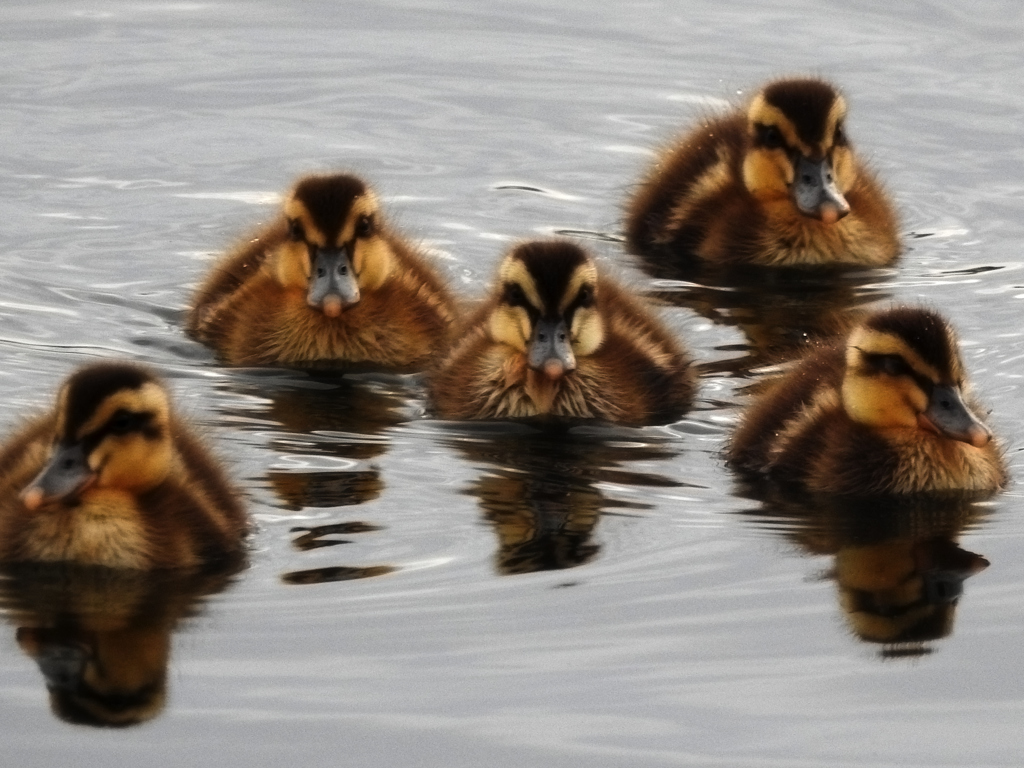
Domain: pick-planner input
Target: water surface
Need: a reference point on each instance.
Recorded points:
(427, 593)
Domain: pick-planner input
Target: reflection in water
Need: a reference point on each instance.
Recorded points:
(335, 573)
(102, 637)
(898, 568)
(315, 538)
(328, 424)
(777, 310)
(298, 490)
(539, 489)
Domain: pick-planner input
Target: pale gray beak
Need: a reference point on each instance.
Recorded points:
(332, 284)
(948, 413)
(67, 472)
(815, 192)
(550, 349)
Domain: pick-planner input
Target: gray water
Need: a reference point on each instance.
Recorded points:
(502, 598)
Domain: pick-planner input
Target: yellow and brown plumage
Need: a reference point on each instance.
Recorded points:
(884, 410)
(558, 339)
(326, 284)
(775, 185)
(111, 477)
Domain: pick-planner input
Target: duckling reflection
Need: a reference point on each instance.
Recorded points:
(102, 637)
(898, 567)
(539, 492)
(321, 536)
(355, 412)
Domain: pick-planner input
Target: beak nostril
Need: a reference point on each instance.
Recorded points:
(320, 272)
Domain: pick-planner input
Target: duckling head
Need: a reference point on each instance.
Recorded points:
(334, 248)
(112, 432)
(903, 371)
(798, 150)
(547, 307)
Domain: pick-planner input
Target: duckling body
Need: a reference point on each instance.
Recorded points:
(880, 412)
(113, 478)
(558, 339)
(776, 185)
(327, 284)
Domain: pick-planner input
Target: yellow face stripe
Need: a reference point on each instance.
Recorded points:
(585, 274)
(364, 205)
(296, 211)
(514, 271)
(835, 116)
(767, 114)
(873, 342)
(511, 326)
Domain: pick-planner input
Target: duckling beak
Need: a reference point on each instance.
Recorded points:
(66, 473)
(550, 350)
(948, 415)
(815, 192)
(332, 284)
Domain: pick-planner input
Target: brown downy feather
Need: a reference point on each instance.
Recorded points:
(635, 373)
(253, 308)
(697, 204)
(834, 424)
(186, 516)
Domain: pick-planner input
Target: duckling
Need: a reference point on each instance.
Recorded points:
(778, 185)
(326, 284)
(558, 339)
(883, 411)
(112, 478)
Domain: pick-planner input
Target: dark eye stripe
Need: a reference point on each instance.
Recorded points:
(123, 422)
(895, 365)
(768, 136)
(514, 295)
(584, 298)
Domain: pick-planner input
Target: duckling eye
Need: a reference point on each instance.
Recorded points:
(364, 226)
(891, 365)
(585, 298)
(123, 422)
(296, 231)
(514, 295)
(769, 136)
(839, 137)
